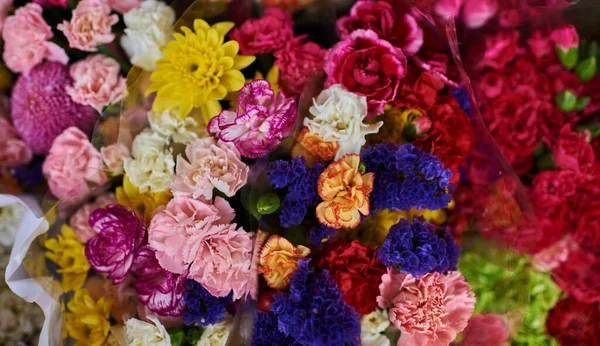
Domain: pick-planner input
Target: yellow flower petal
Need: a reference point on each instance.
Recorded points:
(243, 61)
(233, 80)
(223, 27)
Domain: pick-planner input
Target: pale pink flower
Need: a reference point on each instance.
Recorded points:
(26, 36)
(5, 6)
(90, 25)
(13, 151)
(429, 311)
(80, 221)
(72, 164)
(565, 37)
(553, 256)
(476, 13)
(171, 228)
(448, 8)
(97, 82)
(112, 156)
(486, 329)
(51, 3)
(124, 6)
(212, 164)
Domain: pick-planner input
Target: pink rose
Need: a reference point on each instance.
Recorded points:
(572, 152)
(90, 25)
(501, 49)
(297, 62)
(71, 164)
(476, 13)
(486, 329)
(26, 36)
(97, 82)
(51, 3)
(113, 156)
(13, 151)
(5, 6)
(212, 164)
(565, 37)
(171, 229)
(265, 34)
(368, 66)
(124, 6)
(80, 221)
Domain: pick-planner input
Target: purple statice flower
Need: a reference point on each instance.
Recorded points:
(266, 332)
(261, 121)
(160, 290)
(321, 234)
(119, 237)
(203, 308)
(41, 109)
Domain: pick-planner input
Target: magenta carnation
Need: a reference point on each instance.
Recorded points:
(160, 290)
(41, 109)
(266, 34)
(114, 248)
(262, 120)
(297, 61)
(51, 3)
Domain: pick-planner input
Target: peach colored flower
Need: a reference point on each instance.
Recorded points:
(13, 151)
(344, 191)
(90, 25)
(212, 164)
(429, 311)
(113, 156)
(79, 221)
(279, 260)
(97, 82)
(313, 147)
(72, 164)
(26, 36)
(124, 6)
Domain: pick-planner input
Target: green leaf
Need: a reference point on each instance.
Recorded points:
(586, 69)
(192, 335)
(569, 58)
(582, 102)
(177, 336)
(566, 101)
(267, 204)
(545, 162)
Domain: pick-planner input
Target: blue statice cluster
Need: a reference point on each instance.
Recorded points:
(202, 307)
(319, 234)
(313, 312)
(463, 98)
(266, 332)
(418, 249)
(300, 183)
(407, 177)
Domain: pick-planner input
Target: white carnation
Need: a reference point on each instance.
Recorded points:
(169, 125)
(10, 220)
(372, 326)
(152, 166)
(215, 334)
(140, 333)
(338, 117)
(147, 30)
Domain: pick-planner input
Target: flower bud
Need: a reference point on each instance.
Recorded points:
(267, 204)
(417, 128)
(566, 101)
(586, 69)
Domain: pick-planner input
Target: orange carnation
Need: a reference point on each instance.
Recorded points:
(313, 147)
(279, 260)
(344, 191)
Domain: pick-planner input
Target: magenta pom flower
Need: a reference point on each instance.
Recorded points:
(160, 290)
(41, 109)
(114, 248)
(262, 120)
(266, 34)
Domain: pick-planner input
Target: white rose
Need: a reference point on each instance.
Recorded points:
(152, 166)
(140, 333)
(147, 30)
(10, 220)
(215, 334)
(169, 124)
(372, 326)
(338, 117)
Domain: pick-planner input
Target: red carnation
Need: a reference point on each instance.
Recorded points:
(550, 189)
(573, 323)
(298, 61)
(265, 34)
(501, 49)
(572, 152)
(579, 276)
(357, 272)
(420, 94)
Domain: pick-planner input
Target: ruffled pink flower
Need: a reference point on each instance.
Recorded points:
(501, 49)
(428, 311)
(5, 6)
(368, 66)
(124, 6)
(565, 37)
(476, 13)
(80, 220)
(72, 164)
(112, 156)
(486, 329)
(212, 164)
(90, 25)
(262, 120)
(97, 82)
(297, 62)
(265, 34)
(13, 151)
(51, 3)
(158, 289)
(553, 256)
(26, 36)
(172, 228)
(113, 249)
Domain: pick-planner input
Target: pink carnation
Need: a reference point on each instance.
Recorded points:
(80, 221)
(172, 228)
(565, 37)
(71, 164)
(124, 6)
(97, 82)
(13, 151)
(553, 256)
(112, 157)
(5, 6)
(368, 66)
(486, 329)
(297, 62)
(212, 164)
(90, 25)
(540, 44)
(265, 34)
(26, 36)
(448, 8)
(476, 13)
(51, 3)
(262, 120)
(501, 49)
(428, 311)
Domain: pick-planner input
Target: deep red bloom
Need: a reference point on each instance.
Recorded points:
(572, 152)
(573, 323)
(297, 62)
(265, 34)
(420, 94)
(501, 49)
(579, 276)
(357, 272)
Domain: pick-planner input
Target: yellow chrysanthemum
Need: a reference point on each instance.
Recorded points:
(437, 217)
(198, 70)
(69, 255)
(87, 321)
(144, 204)
(272, 78)
(395, 121)
(373, 230)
